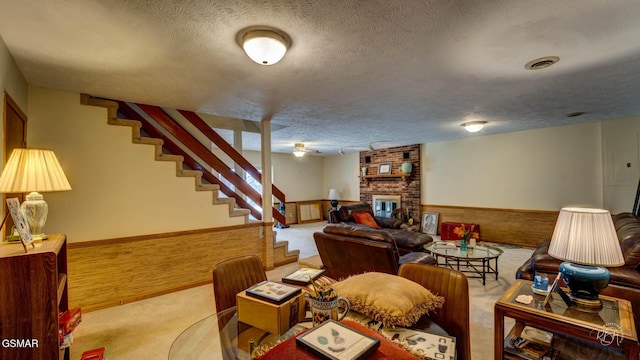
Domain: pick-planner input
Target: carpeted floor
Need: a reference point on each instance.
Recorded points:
(146, 329)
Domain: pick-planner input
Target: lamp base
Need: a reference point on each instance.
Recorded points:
(584, 282)
(35, 211)
(334, 203)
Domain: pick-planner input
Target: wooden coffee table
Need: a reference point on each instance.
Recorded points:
(606, 333)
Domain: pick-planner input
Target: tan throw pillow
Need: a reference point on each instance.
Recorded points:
(392, 299)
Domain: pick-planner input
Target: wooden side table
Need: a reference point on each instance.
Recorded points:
(607, 332)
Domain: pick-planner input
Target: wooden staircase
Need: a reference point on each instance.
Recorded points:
(282, 255)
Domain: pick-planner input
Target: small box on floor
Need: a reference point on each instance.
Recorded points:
(95, 354)
(69, 319)
(274, 318)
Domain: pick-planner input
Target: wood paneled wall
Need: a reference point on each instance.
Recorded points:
(111, 272)
(507, 226)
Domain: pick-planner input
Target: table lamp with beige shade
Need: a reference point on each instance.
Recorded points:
(586, 240)
(33, 171)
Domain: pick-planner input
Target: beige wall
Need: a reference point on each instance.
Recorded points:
(341, 173)
(299, 178)
(118, 188)
(543, 169)
(621, 147)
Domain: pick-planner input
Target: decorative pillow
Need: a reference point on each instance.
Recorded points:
(392, 299)
(365, 218)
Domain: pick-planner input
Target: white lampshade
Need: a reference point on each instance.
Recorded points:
(586, 236)
(334, 194)
(474, 126)
(33, 170)
(264, 47)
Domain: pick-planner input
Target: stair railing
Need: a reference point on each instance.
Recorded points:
(188, 140)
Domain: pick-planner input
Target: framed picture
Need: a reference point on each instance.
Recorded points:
(273, 292)
(385, 168)
(22, 227)
(430, 223)
(302, 276)
(333, 340)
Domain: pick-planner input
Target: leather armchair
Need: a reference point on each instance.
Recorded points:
(453, 317)
(347, 250)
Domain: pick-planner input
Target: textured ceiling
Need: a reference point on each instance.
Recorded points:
(388, 72)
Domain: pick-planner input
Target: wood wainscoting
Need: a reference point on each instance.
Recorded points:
(112, 272)
(507, 226)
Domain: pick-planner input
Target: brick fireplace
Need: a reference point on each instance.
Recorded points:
(408, 188)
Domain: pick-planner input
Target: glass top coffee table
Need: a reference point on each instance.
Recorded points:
(222, 336)
(475, 260)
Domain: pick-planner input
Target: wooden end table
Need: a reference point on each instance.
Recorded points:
(609, 333)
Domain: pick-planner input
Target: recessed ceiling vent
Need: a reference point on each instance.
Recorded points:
(541, 63)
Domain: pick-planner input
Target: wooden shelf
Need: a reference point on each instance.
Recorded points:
(62, 283)
(386, 176)
(30, 306)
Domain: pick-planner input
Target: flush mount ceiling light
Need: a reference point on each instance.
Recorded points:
(265, 46)
(474, 126)
(541, 63)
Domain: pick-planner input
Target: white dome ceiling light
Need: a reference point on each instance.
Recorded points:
(474, 126)
(264, 46)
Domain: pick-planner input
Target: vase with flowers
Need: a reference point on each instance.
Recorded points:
(465, 232)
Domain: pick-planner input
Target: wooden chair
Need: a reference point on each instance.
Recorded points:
(453, 317)
(234, 275)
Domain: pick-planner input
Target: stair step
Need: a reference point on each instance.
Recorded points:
(136, 137)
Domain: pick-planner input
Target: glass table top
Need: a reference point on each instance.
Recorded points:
(221, 336)
(476, 252)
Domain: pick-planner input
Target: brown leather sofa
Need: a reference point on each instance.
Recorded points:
(407, 240)
(350, 250)
(625, 280)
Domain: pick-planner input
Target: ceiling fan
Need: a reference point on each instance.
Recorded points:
(299, 150)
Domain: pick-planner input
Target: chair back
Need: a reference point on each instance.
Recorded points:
(234, 275)
(453, 317)
(359, 252)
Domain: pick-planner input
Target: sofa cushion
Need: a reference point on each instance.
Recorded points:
(410, 240)
(630, 247)
(365, 218)
(392, 299)
(346, 211)
(390, 223)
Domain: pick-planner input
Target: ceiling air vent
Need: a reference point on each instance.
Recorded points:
(541, 63)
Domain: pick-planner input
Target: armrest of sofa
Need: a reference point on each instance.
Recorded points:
(417, 258)
(334, 217)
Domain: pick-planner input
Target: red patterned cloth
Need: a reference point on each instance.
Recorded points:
(288, 350)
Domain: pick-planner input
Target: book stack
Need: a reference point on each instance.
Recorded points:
(445, 245)
(532, 344)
